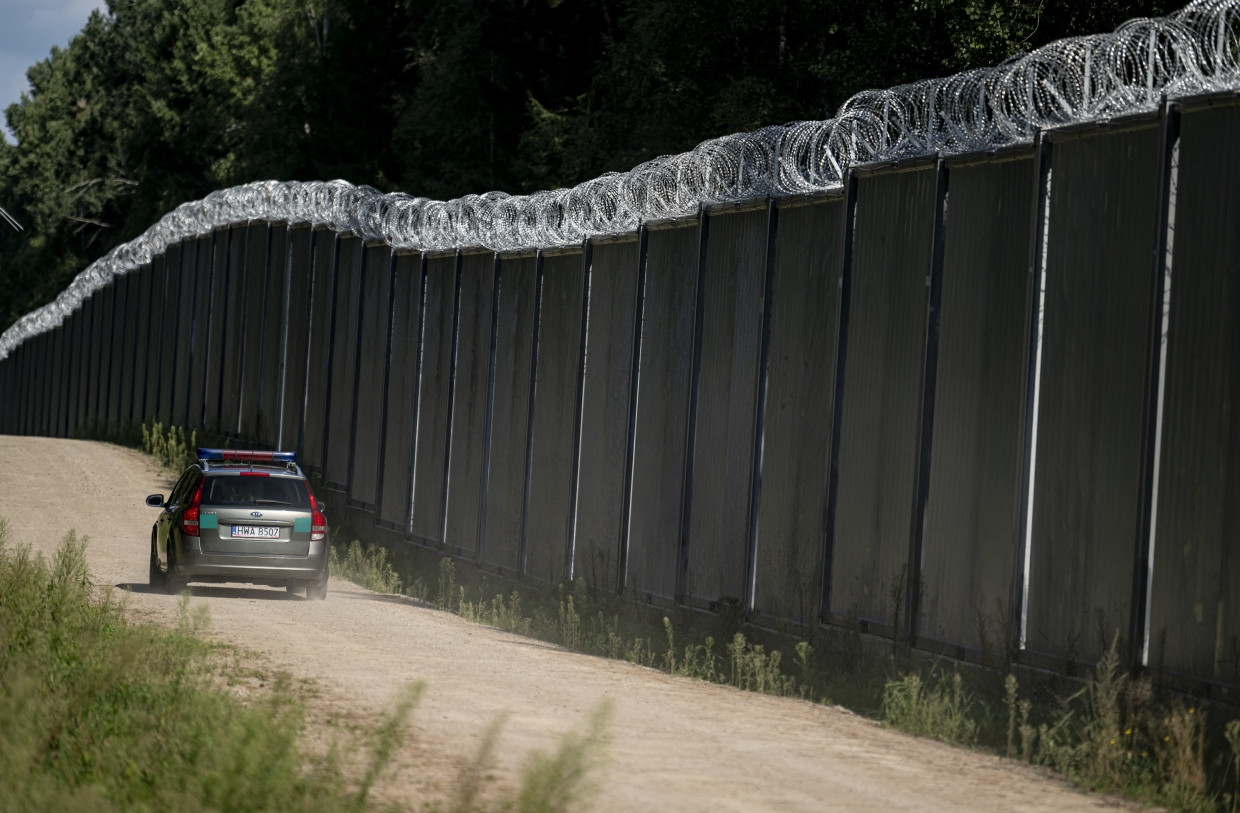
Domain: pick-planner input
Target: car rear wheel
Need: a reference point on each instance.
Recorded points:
(155, 577)
(174, 582)
(318, 590)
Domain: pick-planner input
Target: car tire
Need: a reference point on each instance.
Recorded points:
(318, 590)
(155, 578)
(174, 582)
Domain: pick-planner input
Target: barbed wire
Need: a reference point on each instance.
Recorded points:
(1070, 81)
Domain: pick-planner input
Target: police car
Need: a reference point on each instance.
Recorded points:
(240, 516)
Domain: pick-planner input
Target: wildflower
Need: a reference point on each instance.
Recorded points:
(1127, 732)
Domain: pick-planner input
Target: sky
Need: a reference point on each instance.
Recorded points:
(28, 30)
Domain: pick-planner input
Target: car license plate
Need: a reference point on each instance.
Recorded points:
(255, 532)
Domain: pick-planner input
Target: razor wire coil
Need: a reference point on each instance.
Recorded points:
(1070, 81)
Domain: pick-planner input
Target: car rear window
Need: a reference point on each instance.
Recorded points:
(234, 489)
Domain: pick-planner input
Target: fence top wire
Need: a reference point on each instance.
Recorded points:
(1072, 81)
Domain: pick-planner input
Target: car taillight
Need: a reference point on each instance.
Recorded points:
(189, 517)
(318, 522)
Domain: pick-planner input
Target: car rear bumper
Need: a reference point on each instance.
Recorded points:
(194, 565)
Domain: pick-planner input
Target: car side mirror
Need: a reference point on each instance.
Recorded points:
(322, 506)
(155, 500)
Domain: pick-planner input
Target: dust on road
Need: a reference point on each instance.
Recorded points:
(672, 744)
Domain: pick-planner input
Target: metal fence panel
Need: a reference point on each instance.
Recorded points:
(973, 512)
(109, 361)
(217, 326)
(548, 524)
(77, 388)
(11, 394)
(72, 327)
(371, 366)
(231, 319)
(665, 361)
(346, 313)
(797, 433)
(401, 396)
(116, 353)
(55, 380)
(64, 371)
(601, 508)
(42, 384)
(21, 376)
(134, 322)
(181, 335)
(161, 402)
(156, 347)
(20, 390)
(318, 360)
(434, 398)
(93, 306)
(881, 406)
(1194, 620)
(297, 341)
(253, 313)
(267, 419)
(143, 282)
(731, 338)
(7, 393)
(47, 377)
(199, 351)
(508, 441)
(469, 404)
(1099, 267)
(101, 334)
(127, 319)
(55, 374)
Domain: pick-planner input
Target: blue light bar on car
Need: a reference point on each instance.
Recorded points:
(246, 456)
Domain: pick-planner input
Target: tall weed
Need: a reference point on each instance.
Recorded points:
(365, 566)
(944, 710)
(173, 450)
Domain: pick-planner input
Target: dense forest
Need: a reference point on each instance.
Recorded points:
(158, 102)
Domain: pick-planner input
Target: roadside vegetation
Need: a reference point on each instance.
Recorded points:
(101, 714)
(172, 448)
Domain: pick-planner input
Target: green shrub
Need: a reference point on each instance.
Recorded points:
(943, 710)
(173, 450)
(367, 567)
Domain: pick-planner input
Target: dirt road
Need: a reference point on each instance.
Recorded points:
(672, 744)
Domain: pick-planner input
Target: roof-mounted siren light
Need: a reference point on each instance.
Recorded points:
(245, 456)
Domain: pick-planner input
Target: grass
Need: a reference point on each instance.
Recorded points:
(100, 714)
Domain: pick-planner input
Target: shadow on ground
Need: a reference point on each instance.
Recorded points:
(212, 591)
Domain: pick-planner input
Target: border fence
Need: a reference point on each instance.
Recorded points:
(972, 402)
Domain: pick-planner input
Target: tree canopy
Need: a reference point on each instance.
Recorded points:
(157, 102)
